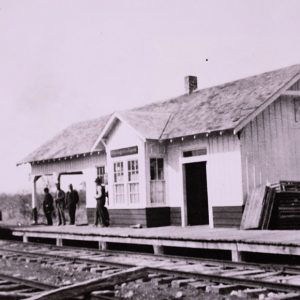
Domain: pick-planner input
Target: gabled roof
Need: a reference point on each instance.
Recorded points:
(226, 106)
(149, 124)
(75, 139)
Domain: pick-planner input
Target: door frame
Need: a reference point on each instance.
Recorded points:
(182, 162)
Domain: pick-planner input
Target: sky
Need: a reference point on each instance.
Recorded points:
(63, 61)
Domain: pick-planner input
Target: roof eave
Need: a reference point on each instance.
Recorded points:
(264, 105)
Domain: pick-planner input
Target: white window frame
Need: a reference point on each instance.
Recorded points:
(182, 162)
(133, 182)
(98, 168)
(155, 182)
(127, 203)
(117, 195)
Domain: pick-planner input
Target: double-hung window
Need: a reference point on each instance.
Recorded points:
(157, 181)
(133, 181)
(119, 193)
(126, 182)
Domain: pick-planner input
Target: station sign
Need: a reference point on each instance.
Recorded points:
(124, 151)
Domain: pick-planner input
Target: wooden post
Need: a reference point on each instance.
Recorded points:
(56, 178)
(236, 256)
(102, 245)
(34, 198)
(59, 242)
(25, 238)
(158, 250)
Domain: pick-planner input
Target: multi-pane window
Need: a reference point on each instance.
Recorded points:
(157, 169)
(118, 172)
(101, 173)
(133, 181)
(133, 170)
(119, 194)
(157, 183)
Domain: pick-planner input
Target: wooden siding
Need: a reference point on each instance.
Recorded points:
(224, 173)
(127, 217)
(69, 165)
(227, 216)
(224, 170)
(158, 216)
(271, 146)
(147, 217)
(175, 216)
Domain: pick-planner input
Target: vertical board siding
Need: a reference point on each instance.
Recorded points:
(224, 170)
(227, 216)
(175, 216)
(270, 146)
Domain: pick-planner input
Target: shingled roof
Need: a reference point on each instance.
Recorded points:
(149, 124)
(76, 139)
(221, 107)
(216, 108)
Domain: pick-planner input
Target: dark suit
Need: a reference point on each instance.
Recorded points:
(48, 208)
(72, 201)
(60, 206)
(100, 214)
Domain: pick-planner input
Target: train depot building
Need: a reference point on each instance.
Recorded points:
(191, 160)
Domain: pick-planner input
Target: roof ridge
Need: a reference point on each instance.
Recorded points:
(169, 119)
(214, 86)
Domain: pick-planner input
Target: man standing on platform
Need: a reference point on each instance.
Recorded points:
(101, 215)
(60, 205)
(48, 206)
(72, 202)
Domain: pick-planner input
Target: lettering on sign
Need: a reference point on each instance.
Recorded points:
(124, 151)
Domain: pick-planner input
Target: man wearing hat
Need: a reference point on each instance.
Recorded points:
(72, 201)
(100, 198)
(60, 205)
(48, 206)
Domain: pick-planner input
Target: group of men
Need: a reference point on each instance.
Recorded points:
(62, 201)
(71, 201)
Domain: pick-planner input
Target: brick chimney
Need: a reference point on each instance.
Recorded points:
(190, 84)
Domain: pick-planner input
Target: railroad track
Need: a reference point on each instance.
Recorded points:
(181, 274)
(18, 288)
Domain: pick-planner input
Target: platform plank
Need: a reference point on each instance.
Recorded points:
(201, 237)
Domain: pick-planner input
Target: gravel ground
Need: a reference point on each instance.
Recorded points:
(47, 275)
(133, 290)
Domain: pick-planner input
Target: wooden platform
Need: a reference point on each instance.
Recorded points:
(201, 237)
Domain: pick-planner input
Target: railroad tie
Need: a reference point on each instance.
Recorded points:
(265, 275)
(242, 273)
(11, 287)
(283, 296)
(223, 288)
(99, 269)
(182, 282)
(105, 293)
(163, 280)
(199, 285)
(255, 292)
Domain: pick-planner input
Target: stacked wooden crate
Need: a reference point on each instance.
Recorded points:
(286, 211)
(275, 206)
